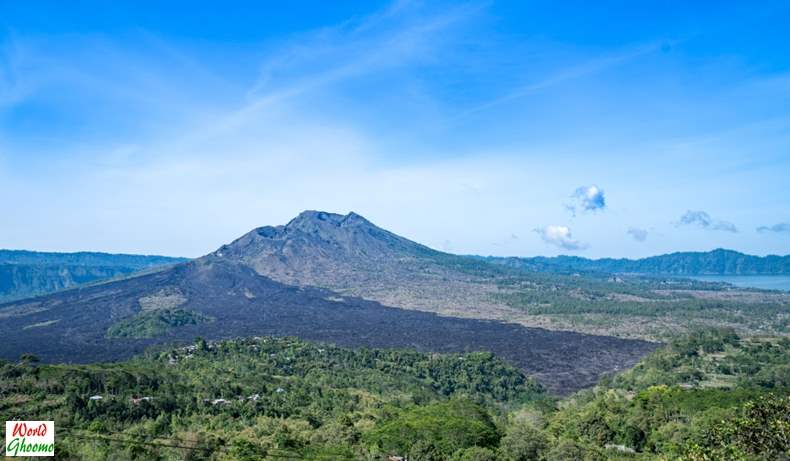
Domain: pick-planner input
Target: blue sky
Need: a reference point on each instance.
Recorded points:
(506, 128)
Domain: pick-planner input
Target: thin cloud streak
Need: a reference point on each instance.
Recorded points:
(586, 68)
(359, 55)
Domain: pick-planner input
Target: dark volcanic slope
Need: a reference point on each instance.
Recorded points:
(70, 326)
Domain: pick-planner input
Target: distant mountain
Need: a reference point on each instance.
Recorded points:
(716, 262)
(85, 258)
(233, 292)
(29, 273)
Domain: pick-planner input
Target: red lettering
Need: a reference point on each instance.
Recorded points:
(21, 430)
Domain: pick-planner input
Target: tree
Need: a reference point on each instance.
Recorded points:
(522, 442)
(244, 450)
(568, 450)
(474, 454)
(761, 431)
(445, 426)
(28, 358)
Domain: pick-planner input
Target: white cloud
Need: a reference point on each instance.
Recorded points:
(587, 198)
(559, 236)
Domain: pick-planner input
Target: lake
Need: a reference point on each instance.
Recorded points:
(765, 282)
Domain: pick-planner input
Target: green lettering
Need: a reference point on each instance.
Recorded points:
(17, 445)
(13, 446)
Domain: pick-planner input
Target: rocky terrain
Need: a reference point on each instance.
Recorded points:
(229, 294)
(72, 326)
(341, 279)
(350, 255)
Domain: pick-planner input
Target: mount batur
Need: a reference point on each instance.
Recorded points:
(324, 277)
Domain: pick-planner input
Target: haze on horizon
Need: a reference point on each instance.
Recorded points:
(493, 128)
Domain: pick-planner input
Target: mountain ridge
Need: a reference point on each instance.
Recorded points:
(9, 256)
(25, 273)
(719, 261)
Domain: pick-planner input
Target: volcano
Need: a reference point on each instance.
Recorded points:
(320, 277)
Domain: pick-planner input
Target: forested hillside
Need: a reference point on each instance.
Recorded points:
(30, 273)
(708, 396)
(266, 398)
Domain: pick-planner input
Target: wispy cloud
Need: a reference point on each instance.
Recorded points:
(703, 220)
(560, 236)
(638, 234)
(158, 131)
(782, 227)
(572, 72)
(393, 38)
(316, 62)
(213, 151)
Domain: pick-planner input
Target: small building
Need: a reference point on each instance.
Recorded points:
(620, 448)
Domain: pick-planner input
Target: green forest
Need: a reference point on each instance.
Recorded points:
(709, 395)
(149, 324)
